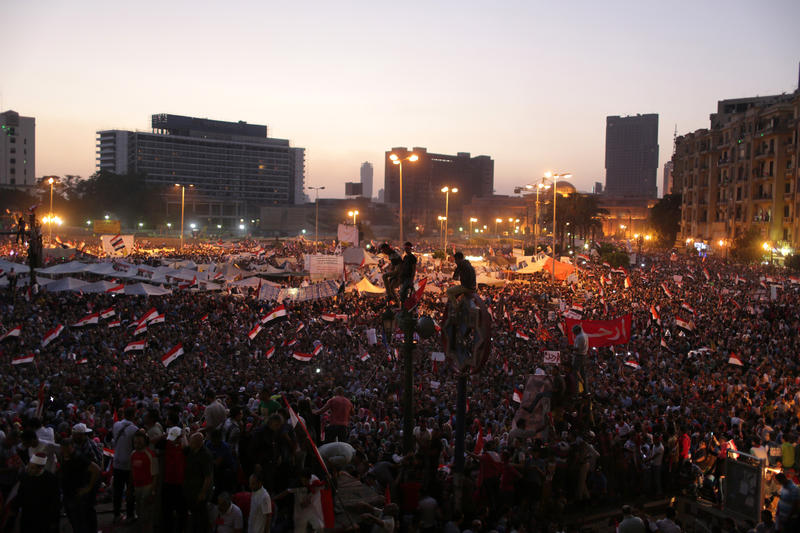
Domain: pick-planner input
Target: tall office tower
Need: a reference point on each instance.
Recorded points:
(632, 155)
(17, 150)
(366, 179)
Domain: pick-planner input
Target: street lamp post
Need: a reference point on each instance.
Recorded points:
(316, 212)
(353, 214)
(471, 221)
(447, 190)
(50, 238)
(496, 222)
(397, 160)
(555, 195)
(183, 203)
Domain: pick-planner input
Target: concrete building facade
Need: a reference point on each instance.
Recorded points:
(741, 173)
(17, 150)
(632, 156)
(234, 167)
(423, 179)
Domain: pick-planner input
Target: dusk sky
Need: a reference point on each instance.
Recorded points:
(527, 83)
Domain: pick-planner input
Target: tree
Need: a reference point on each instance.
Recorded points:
(746, 246)
(665, 219)
(125, 196)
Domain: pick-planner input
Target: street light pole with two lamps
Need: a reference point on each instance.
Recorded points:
(353, 214)
(554, 177)
(447, 190)
(397, 160)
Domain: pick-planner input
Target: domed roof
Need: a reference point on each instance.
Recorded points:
(565, 187)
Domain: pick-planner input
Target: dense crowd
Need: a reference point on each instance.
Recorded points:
(211, 441)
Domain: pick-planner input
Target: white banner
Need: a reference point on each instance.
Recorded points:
(321, 266)
(372, 338)
(125, 249)
(348, 233)
(551, 357)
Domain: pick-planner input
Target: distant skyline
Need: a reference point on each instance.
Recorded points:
(527, 83)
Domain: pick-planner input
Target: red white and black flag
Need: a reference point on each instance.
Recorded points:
(117, 243)
(13, 332)
(171, 355)
(279, 313)
(52, 335)
(23, 359)
(686, 325)
(107, 313)
(89, 319)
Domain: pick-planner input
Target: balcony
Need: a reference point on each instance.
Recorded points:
(723, 161)
(764, 153)
(762, 196)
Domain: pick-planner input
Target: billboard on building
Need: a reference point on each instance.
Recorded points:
(353, 189)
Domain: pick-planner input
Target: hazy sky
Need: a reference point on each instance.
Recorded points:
(527, 82)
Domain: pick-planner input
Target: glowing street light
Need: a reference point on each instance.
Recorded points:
(397, 160)
(183, 202)
(353, 214)
(316, 209)
(471, 221)
(447, 190)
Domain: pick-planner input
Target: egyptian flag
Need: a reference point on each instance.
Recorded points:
(52, 335)
(584, 257)
(171, 355)
(304, 357)
(107, 313)
(141, 328)
(654, 314)
(479, 442)
(506, 368)
(684, 325)
(517, 396)
(115, 289)
(665, 345)
(81, 361)
(158, 319)
(364, 355)
(135, 346)
(276, 314)
(619, 271)
(114, 324)
(627, 282)
(254, 332)
(204, 318)
(606, 264)
(688, 307)
(633, 364)
(577, 308)
(521, 335)
(23, 359)
(269, 353)
(538, 317)
(734, 359)
(299, 328)
(151, 313)
(117, 243)
(412, 301)
(706, 274)
(13, 332)
(189, 285)
(666, 290)
(297, 421)
(217, 276)
(317, 348)
(328, 317)
(87, 320)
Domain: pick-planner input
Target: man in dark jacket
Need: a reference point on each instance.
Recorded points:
(38, 499)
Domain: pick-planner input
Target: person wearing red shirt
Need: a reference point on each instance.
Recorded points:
(144, 473)
(340, 408)
(684, 444)
(173, 502)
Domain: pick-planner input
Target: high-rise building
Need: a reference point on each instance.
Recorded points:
(632, 155)
(17, 150)
(423, 179)
(234, 167)
(299, 155)
(666, 185)
(741, 173)
(366, 179)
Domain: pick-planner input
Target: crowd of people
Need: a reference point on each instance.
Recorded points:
(214, 440)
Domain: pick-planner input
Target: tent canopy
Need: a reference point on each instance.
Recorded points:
(483, 279)
(145, 289)
(66, 284)
(358, 256)
(364, 286)
(73, 267)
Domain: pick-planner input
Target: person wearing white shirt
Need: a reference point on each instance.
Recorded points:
(260, 517)
(226, 517)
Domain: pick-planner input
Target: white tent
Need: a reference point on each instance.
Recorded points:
(145, 289)
(253, 282)
(98, 286)
(188, 263)
(66, 284)
(19, 268)
(490, 281)
(533, 268)
(358, 256)
(73, 267)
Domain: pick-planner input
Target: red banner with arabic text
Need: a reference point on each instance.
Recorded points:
(602, 332)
